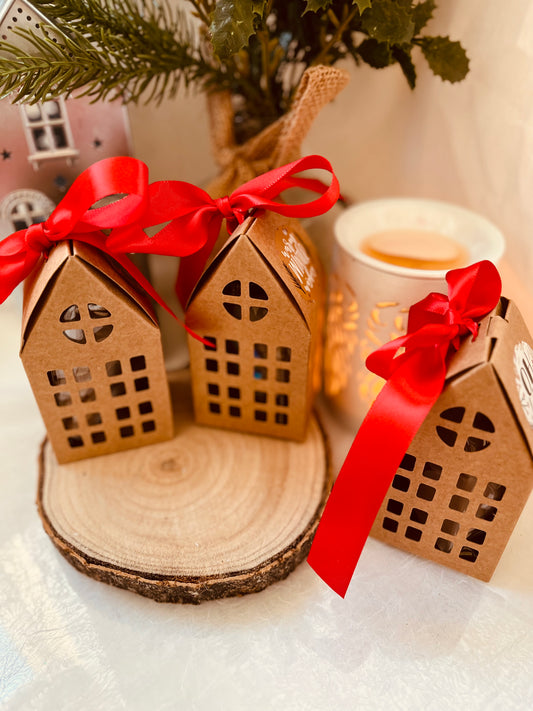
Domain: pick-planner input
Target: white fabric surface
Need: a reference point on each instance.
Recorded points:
(410, 634)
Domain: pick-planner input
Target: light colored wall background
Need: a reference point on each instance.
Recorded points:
(469, 143)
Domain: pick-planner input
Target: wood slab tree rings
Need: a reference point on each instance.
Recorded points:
(209, 514)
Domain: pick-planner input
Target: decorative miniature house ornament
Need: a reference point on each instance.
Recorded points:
(260, 303)
(91, 345)
(257, 305)
(441, 466)
(91, 348)
(45, 145)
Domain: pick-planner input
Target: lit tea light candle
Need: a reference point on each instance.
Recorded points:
(415, 249)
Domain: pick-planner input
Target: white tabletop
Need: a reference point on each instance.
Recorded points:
(409, 635)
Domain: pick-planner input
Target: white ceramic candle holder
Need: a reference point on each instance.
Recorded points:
(369, 299)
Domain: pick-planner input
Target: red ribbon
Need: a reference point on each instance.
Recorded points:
(76, 218)
(196, 218)
(415, 379)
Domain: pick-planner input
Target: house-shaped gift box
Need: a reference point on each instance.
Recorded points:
(91, 348)
(260, 303)
(468, 473)
(45, 146)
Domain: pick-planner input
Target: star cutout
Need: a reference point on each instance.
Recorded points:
(6, 155)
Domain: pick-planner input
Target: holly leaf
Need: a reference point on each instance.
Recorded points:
(362, 5)
(376, 54)
(422, 14)
(232, 25)
(389, 21)
(403, 57)
(446, 59)
(318, 5)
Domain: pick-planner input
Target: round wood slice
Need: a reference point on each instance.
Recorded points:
(210, 514)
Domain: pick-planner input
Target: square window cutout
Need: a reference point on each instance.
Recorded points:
(113, 368)
(56, 377)
(88, 395)
(118, 389)
(232, 347)
(395, 507)
(63, 399)
(70, 423)
(466, 482)
(138, 363)
(459, 503)
(443, 545)
(145, 408)
(413, 534)
(426, 492)
(260, 350)
(401, 483)
(81, 374)
(141, 384)
(390, 524)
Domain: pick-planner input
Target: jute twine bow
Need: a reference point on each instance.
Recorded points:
(277, 144)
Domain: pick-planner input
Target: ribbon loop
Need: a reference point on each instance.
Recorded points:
(415, 379)
(194, 218)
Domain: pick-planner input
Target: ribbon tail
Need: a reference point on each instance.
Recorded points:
(370, 466)
(192, 266)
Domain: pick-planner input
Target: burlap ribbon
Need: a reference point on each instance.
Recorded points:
(277, 144)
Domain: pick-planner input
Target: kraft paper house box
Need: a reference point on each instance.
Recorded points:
(468, 473)
(91, 348)
(260, 302)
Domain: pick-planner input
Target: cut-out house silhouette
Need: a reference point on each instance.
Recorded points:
(44, 146)
(91, 349)
(468, 473)
(260, 303)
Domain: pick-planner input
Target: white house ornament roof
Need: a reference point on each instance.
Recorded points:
(22, 15)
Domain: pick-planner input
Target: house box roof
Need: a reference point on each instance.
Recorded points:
(18, 14)
(500, 334)
(38, 285)
(287, 252)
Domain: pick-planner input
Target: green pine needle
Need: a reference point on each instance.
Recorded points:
(117, 49)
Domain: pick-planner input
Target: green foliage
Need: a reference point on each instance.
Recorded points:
(446, 59)
(422, 14)
(389, 21)
(233, 23)
(257, 49)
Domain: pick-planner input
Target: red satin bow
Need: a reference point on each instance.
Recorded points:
(415, 379)
(196, 218)
(74, 219)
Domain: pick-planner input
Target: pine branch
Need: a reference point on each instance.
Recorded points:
(115, 49)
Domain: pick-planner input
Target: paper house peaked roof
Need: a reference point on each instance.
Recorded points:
(261, 303)
(468, 473)
(91, 348)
